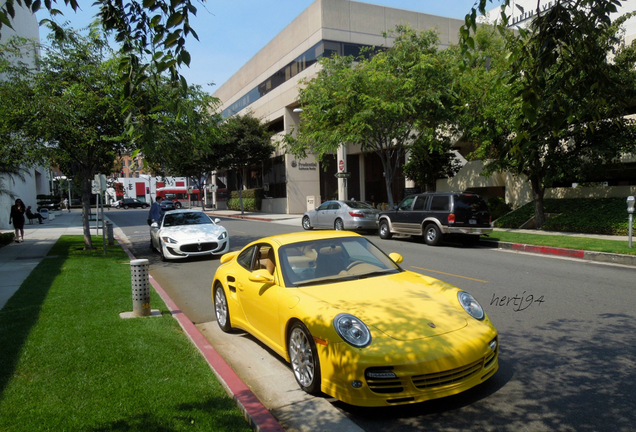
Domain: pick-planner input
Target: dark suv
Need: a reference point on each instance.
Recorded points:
(435, 214)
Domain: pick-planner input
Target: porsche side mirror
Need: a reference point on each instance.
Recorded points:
(154, 225)
(261, 276)
(217, 221)
(396, 257)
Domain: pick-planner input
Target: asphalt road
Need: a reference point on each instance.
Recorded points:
(567, 332)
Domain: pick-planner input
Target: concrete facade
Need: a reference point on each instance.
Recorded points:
(324, 20)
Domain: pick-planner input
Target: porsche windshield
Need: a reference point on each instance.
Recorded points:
(333, 260)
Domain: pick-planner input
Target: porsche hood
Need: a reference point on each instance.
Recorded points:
(404, 306)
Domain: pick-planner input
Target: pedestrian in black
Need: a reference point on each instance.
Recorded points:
(17, 218)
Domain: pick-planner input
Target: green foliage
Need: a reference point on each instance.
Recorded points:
(48, 201)
(6, 238)
(252, 200)
(585, 215)
(498, 207)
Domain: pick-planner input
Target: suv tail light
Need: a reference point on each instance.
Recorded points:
(356, 214)
(451, 218)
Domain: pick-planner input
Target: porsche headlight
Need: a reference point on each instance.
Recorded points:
(168, 240)
(471, 305)
(352, 330)
(223, 235)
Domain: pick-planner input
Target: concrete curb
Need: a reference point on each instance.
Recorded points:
(629, 260)
(259, 418)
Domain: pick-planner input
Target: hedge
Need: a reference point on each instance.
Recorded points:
(583, 215)
(252, 200)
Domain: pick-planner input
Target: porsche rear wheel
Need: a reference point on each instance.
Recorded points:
(307, 223)
(304, 358)
(221, 309)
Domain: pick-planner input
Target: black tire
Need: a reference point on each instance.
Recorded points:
(304, 358)
(163, 256)
(338, 225)
(307, 223)
(384, 231)
(432, 235)
(125, 207)
(221, 309)
(177, 205)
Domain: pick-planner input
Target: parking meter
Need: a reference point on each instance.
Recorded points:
(630, 204)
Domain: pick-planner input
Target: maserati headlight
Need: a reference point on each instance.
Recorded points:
(223, 235)
(471, 305)
(168, 240)
(352, 330)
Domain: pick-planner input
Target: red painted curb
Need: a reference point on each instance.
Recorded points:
(573, 253)
(255, 412)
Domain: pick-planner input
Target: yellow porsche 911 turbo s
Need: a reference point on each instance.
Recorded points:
(351, 322)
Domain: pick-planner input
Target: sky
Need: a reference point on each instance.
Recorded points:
(233, 31)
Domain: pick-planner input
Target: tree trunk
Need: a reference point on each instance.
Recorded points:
(86, 210)
(538, 191)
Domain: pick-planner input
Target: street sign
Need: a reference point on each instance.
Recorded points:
(342, 174)
(341, 165)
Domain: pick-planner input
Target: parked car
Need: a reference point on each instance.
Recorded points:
(169, 205)
(339, 215)
(130, 202)
(353, 323)
(185, 233)
(436, 214)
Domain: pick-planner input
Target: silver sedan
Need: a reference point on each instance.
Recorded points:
(185, 233)
(342, 215)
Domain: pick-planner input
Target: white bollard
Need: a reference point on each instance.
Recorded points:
(140, 287)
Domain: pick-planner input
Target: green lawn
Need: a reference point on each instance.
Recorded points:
(570, 242)
(68, 362)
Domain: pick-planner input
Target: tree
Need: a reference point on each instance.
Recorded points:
(246, 141)
(190, 138)
(70, 106)
(386, 103)
(568, 95)
(152, 36)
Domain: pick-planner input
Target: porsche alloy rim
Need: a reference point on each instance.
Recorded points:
(220, 305)
(302, 357)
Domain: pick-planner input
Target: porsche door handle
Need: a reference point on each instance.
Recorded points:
(240, 286)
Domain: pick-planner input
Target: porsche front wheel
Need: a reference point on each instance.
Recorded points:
(221, 309)
(304, 358)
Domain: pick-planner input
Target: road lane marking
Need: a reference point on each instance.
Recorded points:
(450, 274)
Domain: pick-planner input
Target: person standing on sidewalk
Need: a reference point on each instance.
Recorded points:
(67, 205)
(155, 211)
(17, 218)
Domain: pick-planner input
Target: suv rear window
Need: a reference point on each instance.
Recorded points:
(440, 203)
(470, 202)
